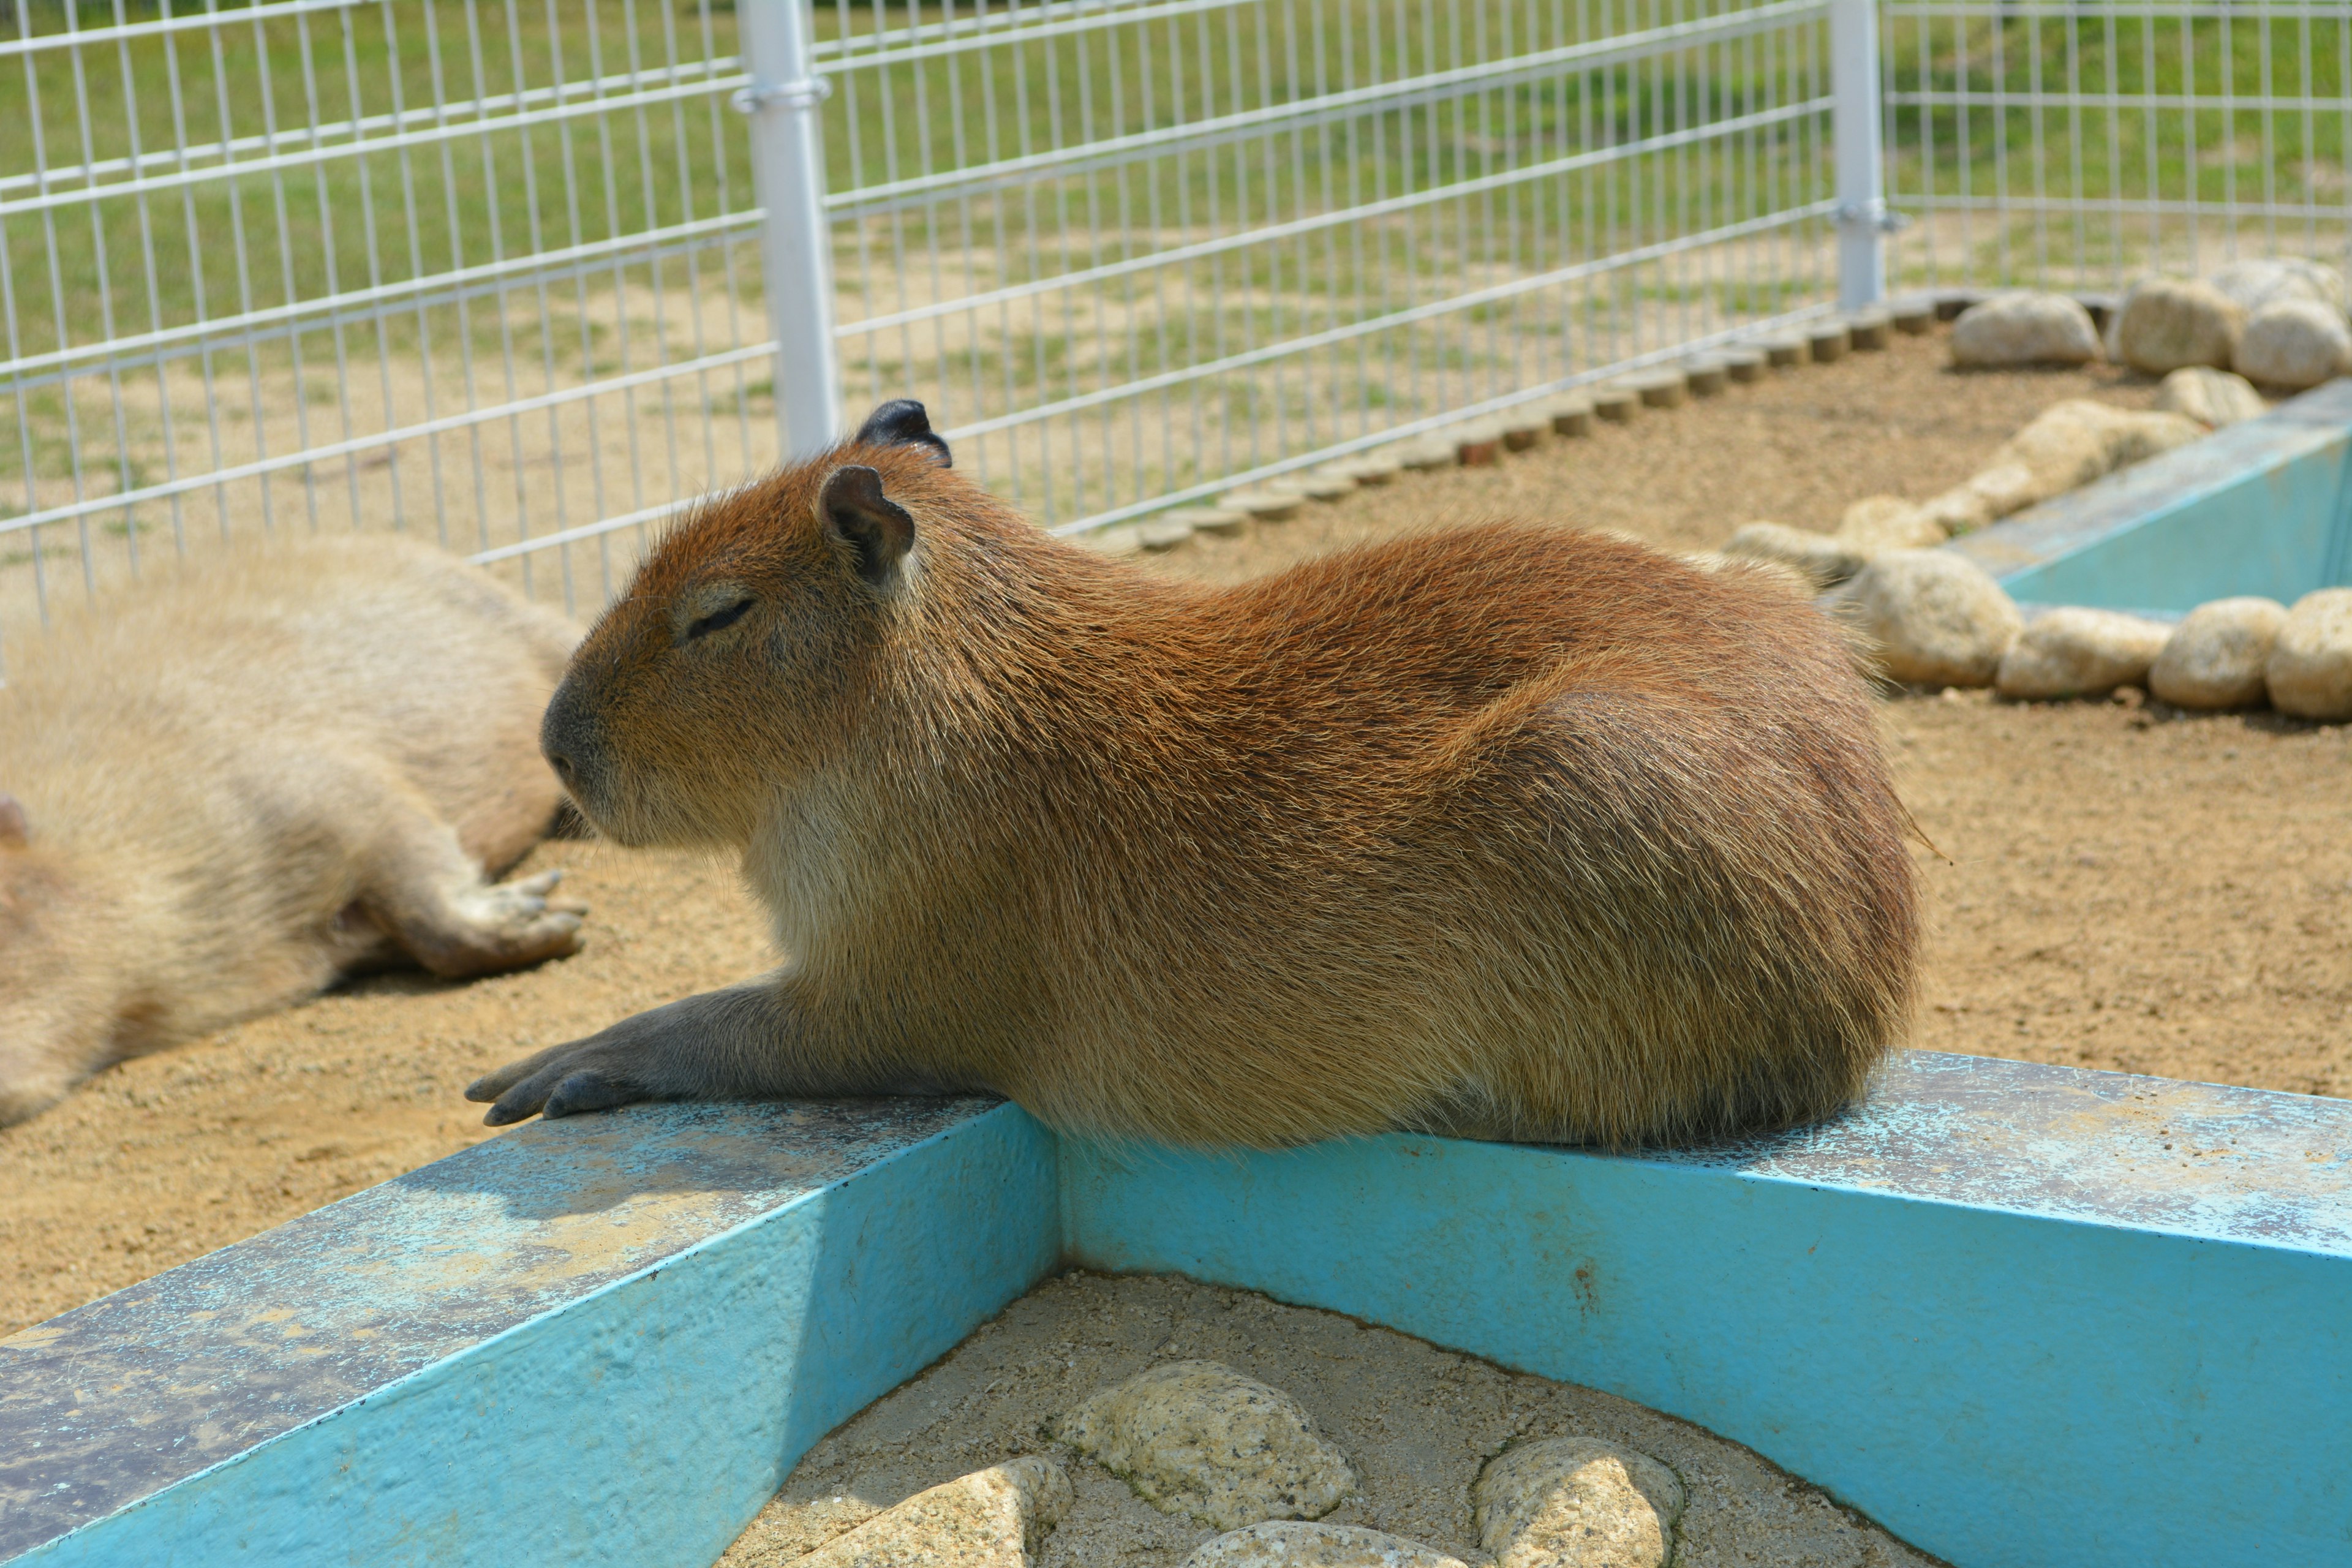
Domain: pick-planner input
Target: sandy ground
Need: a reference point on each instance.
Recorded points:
(2127, 887)
(1416, 1422)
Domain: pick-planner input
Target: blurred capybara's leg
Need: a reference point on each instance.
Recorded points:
(430, 895)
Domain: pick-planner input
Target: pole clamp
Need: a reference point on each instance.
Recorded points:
(1872, 214)
(805, 93)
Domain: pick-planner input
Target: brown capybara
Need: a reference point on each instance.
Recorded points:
(1500, 832)
(233, 784)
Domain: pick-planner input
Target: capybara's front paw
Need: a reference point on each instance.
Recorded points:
(594, 1074)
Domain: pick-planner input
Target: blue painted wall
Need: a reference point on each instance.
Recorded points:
(2263, 507)
(2022, 1315)
(2019, 1332)
(643, 1422)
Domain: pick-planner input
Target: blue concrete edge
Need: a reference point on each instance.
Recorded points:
(2021, 1315)
(2263, 507)
(639, 1420)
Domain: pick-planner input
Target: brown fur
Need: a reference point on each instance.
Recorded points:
(1503, 832)
(246, 778)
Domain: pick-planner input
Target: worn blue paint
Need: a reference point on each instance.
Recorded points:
(2263, 507)
(598, 1340)
(1991, 1309)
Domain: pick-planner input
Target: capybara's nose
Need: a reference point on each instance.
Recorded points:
(566, 739)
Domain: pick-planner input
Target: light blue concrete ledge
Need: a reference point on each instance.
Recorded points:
(2022, 1315)
(2263, 507)
(600, 1340)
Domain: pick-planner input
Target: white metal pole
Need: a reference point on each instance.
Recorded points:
(796, 240)
(1853, 127)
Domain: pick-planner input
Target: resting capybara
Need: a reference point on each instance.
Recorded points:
(1500, 832)
(237, 783)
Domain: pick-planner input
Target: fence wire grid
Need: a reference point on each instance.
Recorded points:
(492, 271)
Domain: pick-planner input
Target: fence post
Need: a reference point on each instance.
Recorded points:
(796, 240)
(1854, 129)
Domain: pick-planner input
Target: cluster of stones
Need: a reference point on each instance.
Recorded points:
(1934, 617)
(1199, 1440)
(2280, 324)
(1488, 440)
(2064, 447)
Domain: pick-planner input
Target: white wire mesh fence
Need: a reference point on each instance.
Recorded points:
(1128, 253)
(478, 268)
(2080, 145)
(513, 273)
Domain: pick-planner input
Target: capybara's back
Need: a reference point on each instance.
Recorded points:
(254, 772)
(1505, 832)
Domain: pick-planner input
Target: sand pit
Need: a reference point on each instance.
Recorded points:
(2127, 888)
(1416, 1422)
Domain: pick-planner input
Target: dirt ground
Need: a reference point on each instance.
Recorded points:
(1416, 1423)
(2126, 888)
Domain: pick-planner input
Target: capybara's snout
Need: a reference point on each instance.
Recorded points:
(568, 739)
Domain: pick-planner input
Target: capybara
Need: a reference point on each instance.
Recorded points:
(281, 764)
(1501, 832)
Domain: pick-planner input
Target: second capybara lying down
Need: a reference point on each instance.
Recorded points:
(283, 763)
(1498, 832)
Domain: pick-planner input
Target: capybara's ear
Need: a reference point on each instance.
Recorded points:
(901, 422)
(854, 510)
(15, 827)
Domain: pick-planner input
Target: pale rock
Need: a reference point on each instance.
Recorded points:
(990, 1519)
(1424, 453)
(2310, 668)
(1578, 1502)
(1195, 1437)
(2211, 397)
(1934, 617)
(1823, 559)
(1957, 510)
(2254, 284)
(1288, 1544)
(2024, 326)
(2068, 445)
(1273, 501)
(1890, 522)
(2168, 322)
(2079, 653)
(2216, 656)
(2294, 344)
(1163, 532)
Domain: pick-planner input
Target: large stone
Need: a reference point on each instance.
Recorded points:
(2293, 344)
(1934, 617)
(2024, 327)
(2079, 653)
(2065, 447)
(990, 1519)
(2168, 322)
(1889, 522)
(1958, 509)
(1823, 559)
(1294, 1545)
(2216, 656)
(1578, 1502)
(2310, 668)
(2211, 397)
(2254, 284)
(1195, 1437)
